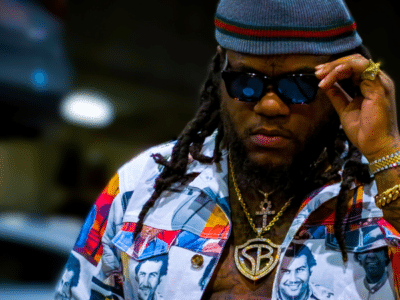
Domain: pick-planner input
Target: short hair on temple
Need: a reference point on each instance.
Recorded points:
(297, 250)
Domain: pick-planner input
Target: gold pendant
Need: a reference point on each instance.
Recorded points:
(262, 264)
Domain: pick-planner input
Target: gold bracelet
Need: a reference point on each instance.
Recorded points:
(384, 163)
(387, 196)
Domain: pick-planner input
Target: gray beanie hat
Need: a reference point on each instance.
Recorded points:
(285, 26)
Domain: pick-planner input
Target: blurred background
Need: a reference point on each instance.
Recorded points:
(87, 84)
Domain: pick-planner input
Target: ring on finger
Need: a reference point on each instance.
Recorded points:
(371, 71)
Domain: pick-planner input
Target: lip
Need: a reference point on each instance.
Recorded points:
(271, 132)
(293, 286)
(270, 138)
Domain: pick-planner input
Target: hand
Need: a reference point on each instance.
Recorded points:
(369, 120)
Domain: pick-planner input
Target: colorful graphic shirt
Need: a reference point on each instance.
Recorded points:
(184, 235)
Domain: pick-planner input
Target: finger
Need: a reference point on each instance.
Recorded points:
(386, 81)
(373, 90)
(340, 72)
(356, 62)
(338, 97)
(382, 86)
(380, 90)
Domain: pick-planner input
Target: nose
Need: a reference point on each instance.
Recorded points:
(270, 105)
(291, 278)
(146, 280)
(371, 254)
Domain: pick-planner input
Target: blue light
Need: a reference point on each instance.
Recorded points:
(39, 78)
(248, 92)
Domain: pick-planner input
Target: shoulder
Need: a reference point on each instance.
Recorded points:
(143, 166)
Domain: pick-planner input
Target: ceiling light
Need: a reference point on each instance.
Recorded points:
(88, 109)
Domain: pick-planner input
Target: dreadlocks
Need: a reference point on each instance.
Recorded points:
(344, 158)
(190, 141)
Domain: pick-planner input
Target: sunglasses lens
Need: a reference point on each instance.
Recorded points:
(244, 87)
(298, 89)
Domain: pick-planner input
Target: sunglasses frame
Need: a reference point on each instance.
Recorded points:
(267, 81)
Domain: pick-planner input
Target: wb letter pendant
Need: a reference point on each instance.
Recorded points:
(255, 258)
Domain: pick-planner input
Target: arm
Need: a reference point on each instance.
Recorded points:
(369, 120)
(385, 180)
(92, 267)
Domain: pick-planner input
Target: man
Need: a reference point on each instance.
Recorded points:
(295, 275)
(290, 113)
(148, 276)
(69, 279)
(375, 284)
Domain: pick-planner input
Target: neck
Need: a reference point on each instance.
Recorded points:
(297, 178)
(252, 199)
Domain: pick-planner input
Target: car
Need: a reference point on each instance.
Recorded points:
(34, 249)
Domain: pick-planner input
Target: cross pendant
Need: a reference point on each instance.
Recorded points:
(265, 207)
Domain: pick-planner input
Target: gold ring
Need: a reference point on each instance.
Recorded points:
(371, 71)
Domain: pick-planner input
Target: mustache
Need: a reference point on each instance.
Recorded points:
(270, 130)
(144, 286)
(294, 282)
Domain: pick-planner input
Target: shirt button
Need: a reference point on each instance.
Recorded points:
(197, 261)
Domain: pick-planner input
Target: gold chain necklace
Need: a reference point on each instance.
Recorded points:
(264, 262)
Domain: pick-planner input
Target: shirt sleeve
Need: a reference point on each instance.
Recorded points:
(93, 269)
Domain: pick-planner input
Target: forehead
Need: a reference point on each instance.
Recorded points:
(293, 263)
(150, 266)
(377, 253)
(68, 275)
(274, 64)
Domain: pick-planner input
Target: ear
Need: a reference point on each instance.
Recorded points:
(222, 53)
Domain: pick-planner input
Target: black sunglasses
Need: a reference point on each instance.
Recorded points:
(291, 88)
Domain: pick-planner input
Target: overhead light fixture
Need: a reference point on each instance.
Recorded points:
(88, 109)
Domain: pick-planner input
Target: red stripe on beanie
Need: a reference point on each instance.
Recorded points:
(267, 33)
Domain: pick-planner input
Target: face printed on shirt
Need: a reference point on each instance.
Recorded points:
(69, 279)
(295, 274)
(374, 263)
(148, 277)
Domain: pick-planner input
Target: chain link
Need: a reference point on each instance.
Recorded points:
(246, 212)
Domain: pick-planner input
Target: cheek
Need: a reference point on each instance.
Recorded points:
(304, 276)
(284, 278)
(239, 113)
(312, 118)
(322, 107)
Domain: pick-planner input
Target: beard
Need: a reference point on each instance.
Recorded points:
(145, 292)
(294, 176)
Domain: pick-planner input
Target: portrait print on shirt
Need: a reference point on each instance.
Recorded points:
(157, 278)
(371, 254)
(313, 268)
(375, 283)
(295, 274)
(147, 276)
(69, 279)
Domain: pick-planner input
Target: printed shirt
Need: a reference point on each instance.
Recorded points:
(184, 235)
